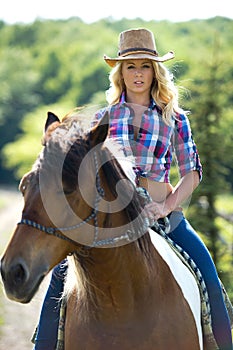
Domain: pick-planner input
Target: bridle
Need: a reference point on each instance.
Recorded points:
(54, 231)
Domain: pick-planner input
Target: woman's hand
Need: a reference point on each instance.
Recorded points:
(155, 211)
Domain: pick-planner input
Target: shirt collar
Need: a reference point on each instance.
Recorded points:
(152, 101)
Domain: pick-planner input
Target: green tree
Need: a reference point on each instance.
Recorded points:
(55, 79)
(17, 97)
(28, 144)
(94, 82)
(216, 151)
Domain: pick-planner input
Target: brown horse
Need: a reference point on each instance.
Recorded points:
(122, 297)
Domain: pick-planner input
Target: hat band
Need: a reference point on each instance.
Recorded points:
(135, 49)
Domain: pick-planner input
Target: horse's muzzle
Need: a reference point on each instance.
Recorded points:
(18, 281)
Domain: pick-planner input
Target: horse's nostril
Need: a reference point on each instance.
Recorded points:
(18, 274)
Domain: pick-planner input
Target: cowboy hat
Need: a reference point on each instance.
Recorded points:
(137, 44)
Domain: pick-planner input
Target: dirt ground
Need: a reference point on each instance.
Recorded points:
(17, 321)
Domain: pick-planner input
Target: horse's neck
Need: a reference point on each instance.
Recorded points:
(120, 279)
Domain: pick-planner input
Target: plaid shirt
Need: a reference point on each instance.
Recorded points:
(156, 141)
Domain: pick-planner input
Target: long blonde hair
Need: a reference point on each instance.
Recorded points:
(163, 89)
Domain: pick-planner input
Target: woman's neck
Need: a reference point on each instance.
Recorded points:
(138, 99)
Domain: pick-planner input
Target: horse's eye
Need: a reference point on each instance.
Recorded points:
(22, 189)
(65, 190)
(68, 191)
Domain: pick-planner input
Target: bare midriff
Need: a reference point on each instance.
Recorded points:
(158, 191)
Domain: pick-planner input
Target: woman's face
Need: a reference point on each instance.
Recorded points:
(138, 75)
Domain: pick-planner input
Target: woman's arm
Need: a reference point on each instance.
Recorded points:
(179, 194)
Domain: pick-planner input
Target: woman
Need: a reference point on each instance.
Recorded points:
(146, 119)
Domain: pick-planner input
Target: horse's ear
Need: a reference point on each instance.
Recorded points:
(51, 123)
(99, 132)
(51, 118)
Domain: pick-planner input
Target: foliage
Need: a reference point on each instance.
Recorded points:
(28, 145)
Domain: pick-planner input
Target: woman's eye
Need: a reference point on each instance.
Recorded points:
(130, 67)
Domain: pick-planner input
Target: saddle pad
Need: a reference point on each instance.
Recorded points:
(183, 277)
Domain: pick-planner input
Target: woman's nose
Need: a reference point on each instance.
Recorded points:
(138, 72)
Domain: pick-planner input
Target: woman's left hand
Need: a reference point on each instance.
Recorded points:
(155, 211)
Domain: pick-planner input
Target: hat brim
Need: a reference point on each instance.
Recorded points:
(137, 56)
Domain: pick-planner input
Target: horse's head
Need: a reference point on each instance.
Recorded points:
(70, 202)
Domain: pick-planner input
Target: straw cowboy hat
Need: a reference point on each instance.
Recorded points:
(137, 44)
